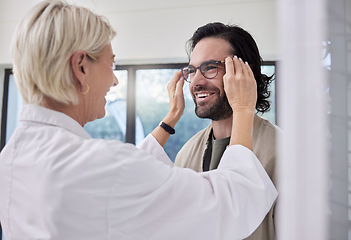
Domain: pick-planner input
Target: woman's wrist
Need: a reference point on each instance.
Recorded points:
(242, 127)
(244, 109)
(171, 119)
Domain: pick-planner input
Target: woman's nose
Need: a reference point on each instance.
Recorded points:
(115, 80)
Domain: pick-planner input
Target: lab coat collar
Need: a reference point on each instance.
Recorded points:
(42, 115)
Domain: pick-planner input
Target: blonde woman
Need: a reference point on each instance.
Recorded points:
(56, 182)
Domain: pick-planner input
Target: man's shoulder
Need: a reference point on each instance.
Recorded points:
(265, 138)
(200, 135)
(194, 146)
(264, 126)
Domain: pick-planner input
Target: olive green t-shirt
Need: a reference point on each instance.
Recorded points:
(214, 152)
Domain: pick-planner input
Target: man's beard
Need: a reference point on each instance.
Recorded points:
(216, 111)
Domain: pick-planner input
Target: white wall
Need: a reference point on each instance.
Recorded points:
(156, 30)
(161, 33)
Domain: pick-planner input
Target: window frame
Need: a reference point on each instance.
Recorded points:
(8, 72)
(4, 110)
(131, 95)
(131, 90)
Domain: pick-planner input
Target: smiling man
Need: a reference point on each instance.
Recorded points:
(208, 47)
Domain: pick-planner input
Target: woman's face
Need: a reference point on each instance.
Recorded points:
(100, 79)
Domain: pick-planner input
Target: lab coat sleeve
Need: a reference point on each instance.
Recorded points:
(250, 174)
(152, 147)
(162, 202)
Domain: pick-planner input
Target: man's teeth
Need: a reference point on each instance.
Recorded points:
(203, 95)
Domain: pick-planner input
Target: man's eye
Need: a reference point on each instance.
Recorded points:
(191, 70)
(209, 67)
(188, 70)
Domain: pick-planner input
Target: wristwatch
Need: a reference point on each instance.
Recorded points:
(167, 128)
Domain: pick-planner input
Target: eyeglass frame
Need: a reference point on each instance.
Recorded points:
(199, 67)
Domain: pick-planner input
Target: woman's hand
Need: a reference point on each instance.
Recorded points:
(176, 108)
(176, 99)
(239, 85)
(240, 88)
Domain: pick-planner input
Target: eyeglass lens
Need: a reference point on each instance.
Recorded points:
(208, 69)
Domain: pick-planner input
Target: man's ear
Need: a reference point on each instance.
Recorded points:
(78, 65)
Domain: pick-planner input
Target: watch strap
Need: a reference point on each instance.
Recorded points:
(167, 128)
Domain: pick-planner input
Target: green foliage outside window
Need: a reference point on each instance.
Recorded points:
(152, 105)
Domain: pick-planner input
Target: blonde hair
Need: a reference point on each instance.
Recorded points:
(44, 43)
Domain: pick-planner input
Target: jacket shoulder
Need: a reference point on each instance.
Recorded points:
(265, 138)
(194, 146)
(263, 126)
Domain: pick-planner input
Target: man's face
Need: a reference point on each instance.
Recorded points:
(208, 94)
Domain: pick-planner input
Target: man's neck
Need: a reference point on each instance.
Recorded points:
(222, 128)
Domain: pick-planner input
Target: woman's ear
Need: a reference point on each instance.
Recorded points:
(78, 65)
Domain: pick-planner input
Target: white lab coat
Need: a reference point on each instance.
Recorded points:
(56, 182)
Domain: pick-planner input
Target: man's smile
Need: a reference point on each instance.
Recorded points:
(202, 97)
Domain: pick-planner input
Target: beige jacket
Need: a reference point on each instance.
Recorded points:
(265, 136)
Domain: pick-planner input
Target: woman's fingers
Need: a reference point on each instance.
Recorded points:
(229, 67)
(247, 70)
(171, 87)
(179, 87)
(238, 66)
(239, 84)
(176, 96)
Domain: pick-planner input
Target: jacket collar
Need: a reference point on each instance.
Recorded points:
(34, 114)
(256, 124)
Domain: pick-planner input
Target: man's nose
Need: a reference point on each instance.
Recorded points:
(198, 78)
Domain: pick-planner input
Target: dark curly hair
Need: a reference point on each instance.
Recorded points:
(244, 46)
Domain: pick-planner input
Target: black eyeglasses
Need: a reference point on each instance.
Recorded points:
(208, 69)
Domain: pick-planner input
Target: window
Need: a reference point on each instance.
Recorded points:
(268, 68)
(113, 125)
(152, 106)
(146, 91)
(134, 107)
(11, 104)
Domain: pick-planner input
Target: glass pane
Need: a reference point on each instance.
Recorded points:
(13, 107)
(152, 106)
(113, 125)
(269, 70)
